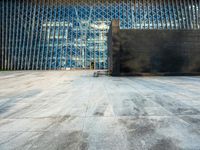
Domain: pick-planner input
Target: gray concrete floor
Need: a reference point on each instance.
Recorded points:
(74, 111)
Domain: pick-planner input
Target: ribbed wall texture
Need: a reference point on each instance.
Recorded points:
(60, 34)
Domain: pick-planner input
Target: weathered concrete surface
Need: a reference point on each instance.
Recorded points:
(136, 51)
(73, 110)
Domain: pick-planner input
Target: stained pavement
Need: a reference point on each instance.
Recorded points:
(73, 110)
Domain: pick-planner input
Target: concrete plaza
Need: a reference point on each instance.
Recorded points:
(72, 110)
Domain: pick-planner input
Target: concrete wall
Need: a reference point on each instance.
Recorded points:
(0, 60)
(153, 51)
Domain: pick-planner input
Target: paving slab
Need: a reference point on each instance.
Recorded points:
(72, 110)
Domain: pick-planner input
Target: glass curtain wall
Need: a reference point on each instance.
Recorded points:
(63, 34)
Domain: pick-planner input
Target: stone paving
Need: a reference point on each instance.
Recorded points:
(72, 110)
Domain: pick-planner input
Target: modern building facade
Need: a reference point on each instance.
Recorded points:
(62, 34)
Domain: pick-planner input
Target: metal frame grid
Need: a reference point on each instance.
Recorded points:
(61, 34)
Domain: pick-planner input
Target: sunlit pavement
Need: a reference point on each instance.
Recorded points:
(72, 110)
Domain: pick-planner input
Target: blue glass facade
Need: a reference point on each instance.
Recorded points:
(62, 34)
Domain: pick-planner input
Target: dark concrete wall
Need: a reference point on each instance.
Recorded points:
(113, 48)
(0, 58)
(153, 51)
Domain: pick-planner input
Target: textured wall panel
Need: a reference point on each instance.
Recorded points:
(153, 51)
